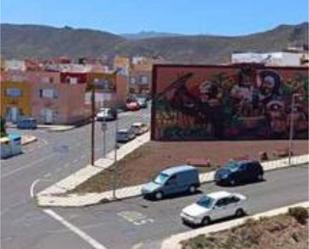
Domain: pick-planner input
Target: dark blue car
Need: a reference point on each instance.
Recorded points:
(236, 172)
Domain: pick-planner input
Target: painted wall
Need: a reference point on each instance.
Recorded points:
(245, 101)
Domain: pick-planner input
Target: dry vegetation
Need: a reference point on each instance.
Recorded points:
(287, 231)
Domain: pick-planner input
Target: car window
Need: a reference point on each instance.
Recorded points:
(233, 199)
(205, 201)
(172, 180)
(222, 202)
(243, 167)
(161, 178)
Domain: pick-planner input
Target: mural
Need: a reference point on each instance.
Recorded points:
(245, 101)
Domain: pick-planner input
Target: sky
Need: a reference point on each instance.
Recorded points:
(219, 17)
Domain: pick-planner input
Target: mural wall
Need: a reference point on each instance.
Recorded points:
(245, 101)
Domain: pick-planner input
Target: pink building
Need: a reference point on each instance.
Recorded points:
(56, 103)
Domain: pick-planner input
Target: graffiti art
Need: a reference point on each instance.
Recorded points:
(247, 101)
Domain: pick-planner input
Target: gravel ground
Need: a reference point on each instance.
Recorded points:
(145, 162)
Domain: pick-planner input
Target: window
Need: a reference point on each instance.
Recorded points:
(233, 199)
(222, 202)
(144, 79)
(205, 201)
(133, 80)
(13, 92)
(48, 93)
(161, 178)
(47, 79)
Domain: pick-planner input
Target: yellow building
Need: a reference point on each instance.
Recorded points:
(15, 100)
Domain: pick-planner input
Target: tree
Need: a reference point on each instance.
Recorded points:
(2, 127)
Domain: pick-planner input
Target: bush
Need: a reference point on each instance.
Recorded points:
(300, 214)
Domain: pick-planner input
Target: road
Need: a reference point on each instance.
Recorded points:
(53, 157)
(138, 223)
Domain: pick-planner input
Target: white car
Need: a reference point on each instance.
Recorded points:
(213, 206)
(139, 128)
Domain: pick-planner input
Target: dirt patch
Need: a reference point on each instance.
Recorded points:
(146, 161)
(278, 232)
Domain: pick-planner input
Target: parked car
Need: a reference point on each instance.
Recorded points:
(132, 106)
(107, 114)
(142, 102)
(236, 172)
(139, 128)
(174, 180)
(214, 206)
(125, 135)
(26, 123)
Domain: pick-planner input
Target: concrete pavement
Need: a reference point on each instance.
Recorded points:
(53, 157)
(50, 196)
(143, 223)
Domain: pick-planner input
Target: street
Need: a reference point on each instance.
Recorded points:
(53, 157)
(136, 223)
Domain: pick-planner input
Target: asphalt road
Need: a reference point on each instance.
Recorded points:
(53, 157)
(138, 223)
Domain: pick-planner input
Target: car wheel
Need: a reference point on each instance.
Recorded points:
(232, 182)
(260, 177)
(158, 195)
(239, 212)
(192, 189)
(206, 221)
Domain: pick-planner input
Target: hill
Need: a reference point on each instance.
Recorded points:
(20, 41)
(148, 34)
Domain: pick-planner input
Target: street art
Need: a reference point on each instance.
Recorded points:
(245, 101)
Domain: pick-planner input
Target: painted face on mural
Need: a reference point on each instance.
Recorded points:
(208, 91)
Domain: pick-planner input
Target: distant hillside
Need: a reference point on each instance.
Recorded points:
(148, 34)
(20, 41)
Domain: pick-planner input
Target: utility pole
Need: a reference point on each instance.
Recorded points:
(292, 126)
(92, 122)
(115, 171)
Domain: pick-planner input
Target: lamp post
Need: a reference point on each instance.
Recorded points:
(115, 171)
(92, 123)
(291, 135)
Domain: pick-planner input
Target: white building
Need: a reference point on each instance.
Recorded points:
(270, 59)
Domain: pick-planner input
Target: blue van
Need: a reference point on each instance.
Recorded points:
(174, 180)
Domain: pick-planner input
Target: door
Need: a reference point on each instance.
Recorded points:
(220, 209)
(12, 114)
(171, 187)
(243, 173)
(48, 116)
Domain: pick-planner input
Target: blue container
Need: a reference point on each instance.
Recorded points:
(27, 123)
(15, 142)
(5, 146)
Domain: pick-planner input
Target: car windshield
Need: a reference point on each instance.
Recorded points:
(161, 178)
(231, 166)
(205, 201)
(122, 132)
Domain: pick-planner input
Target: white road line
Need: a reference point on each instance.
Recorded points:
(32, 187)
(91, 241)
(47, 175)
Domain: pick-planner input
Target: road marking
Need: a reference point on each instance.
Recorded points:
(138, 245)
(91, 241)
(32, 187)
(47, 175)
(134, 217)
(26, 166)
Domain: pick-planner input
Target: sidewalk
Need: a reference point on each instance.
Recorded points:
(173, 242)
(27, 139)
(82, 175)
(53, 128)
(51, 196)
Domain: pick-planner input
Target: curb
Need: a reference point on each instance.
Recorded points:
(46, 199)
(173, 242)
(32, 139)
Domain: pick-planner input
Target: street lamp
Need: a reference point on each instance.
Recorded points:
(291, 135)
(115, 171)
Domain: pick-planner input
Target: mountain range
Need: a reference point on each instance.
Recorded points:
(38, 41)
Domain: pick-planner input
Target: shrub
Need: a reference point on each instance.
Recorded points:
(299, 213)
